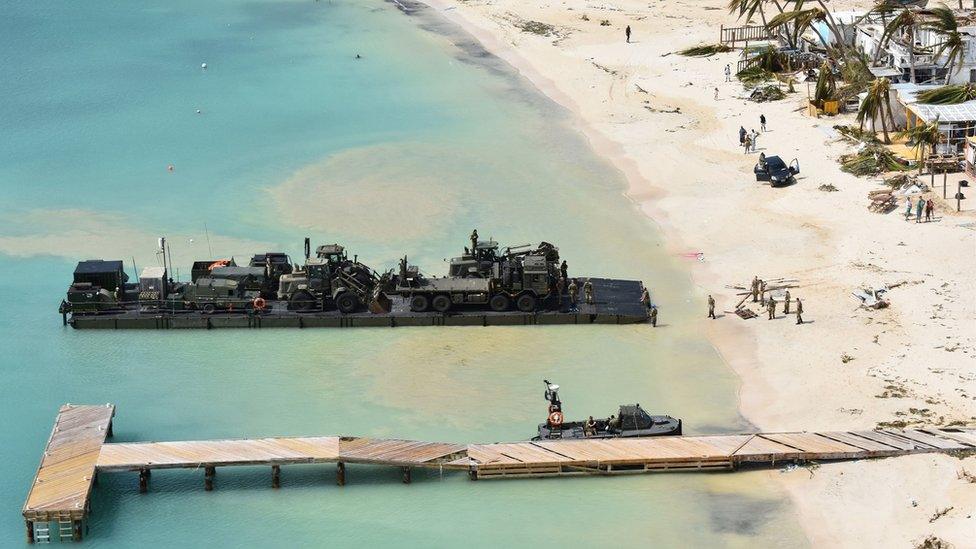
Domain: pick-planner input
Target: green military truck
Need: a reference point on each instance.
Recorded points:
(330, 280)
(209, 295)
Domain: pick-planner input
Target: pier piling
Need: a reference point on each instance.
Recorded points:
(30, 531)
(405, 474)
(144, 475)
(276, 476)
(341, 473)
(76, 530)
(209, 473)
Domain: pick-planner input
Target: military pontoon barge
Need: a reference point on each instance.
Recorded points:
(616, 302)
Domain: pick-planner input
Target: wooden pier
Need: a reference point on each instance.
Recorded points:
(77, 451)
(616, 302)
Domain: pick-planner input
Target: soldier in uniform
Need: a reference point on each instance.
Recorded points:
(645, 298)
(771, 307)
(573, 294)
(654, 316)
(711, 307)
(799, 311)
(589, 428)
(786, 303)
(118, 294)
(474, 242)
(564, 270)
(588, 291)
(755, 289)
(560, 284)
(762, 293)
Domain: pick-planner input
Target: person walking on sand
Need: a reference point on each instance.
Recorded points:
(627, 32)
(711, 307)
(728, 73)
(929, 208)
(762, 122)
(919, 206)
(755, 288)
(908, 209)
(762, 293)
(786, 303)
(771, 308)
(755, 139)
(654, 316)
(742, 134)
(716, 94)
(747, 144)
(799, 311)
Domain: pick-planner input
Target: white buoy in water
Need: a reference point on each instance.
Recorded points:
(203, 66)
(199, 111)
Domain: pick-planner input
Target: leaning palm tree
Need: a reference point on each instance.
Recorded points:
(747, 9)
(925, 137)
(828, 19)
(944, 23)
(877, 106)
(826, 89)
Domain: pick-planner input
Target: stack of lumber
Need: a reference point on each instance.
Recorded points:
(882, 201)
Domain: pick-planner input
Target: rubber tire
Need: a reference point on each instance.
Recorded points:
(208, 308)
(347, 303)
(191, 306)
(441, 303)
(499, 303)
(419, 303)
(302, 301)
(526, 303)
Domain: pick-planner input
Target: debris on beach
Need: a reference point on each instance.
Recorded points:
(939, 513)
(933, 542)
(872, 298)
(882, 201)
(705, 50)
(828, 188)
(871, 159)
(765, 94)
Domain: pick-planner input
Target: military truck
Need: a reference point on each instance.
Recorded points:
(209, 295)
(329, 280)
(521, 276)
(94, 285)
(275, 264)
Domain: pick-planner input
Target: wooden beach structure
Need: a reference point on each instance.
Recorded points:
(77, 452)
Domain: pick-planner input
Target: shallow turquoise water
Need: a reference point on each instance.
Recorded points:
(402, 151)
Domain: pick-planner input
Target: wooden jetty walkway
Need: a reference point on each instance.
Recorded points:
(77, 452)
(616, 302)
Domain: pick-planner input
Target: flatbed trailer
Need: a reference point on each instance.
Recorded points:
(615, 302)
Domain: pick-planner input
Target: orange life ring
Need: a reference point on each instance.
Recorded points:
(556, 419)
(260, 303)
(218, 263)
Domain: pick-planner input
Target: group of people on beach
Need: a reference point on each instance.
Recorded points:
(921, 205)
(748, 140)
(758, 291)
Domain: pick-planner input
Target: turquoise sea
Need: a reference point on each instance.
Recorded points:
(401, 151)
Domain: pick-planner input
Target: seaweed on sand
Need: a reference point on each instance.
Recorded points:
(705, 50)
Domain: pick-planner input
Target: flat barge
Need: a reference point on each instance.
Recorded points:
(615, 302)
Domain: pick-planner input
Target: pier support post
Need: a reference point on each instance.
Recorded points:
(341, 473)
(405, 474)
(30, 531)
(76, 530)
(473, 473)
(276, 476)
(144, 475)
(208, 477)
(108, 432)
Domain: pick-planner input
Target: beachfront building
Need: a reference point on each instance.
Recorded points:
(894, 60)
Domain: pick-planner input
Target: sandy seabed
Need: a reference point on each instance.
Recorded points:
(655, 115)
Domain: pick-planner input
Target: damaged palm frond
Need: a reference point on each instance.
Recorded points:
(856, 135)
(826, 89)
(754, 76)
(705, 50)
(948, 95)
(873, 159)
(877, 106)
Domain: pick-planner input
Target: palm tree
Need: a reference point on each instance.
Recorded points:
(944, 23)
(826, 89)
(926, 137)
(905, 23)
(876, 105)
(828, 18)
(801, 20)
(748, 8)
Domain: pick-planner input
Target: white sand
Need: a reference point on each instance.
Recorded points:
(687, 172)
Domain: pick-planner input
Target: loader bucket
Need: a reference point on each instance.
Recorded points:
(380, 304)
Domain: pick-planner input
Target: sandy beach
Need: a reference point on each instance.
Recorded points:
(655, 115)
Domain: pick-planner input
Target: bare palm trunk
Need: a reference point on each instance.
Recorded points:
(952, 63)
(911, 53)
(884, 126)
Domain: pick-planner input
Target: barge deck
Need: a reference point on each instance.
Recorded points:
(615, 302)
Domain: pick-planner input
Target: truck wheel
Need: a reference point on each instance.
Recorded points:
(441, 303)
(419, 303)
(302, 301)
(347, 303)
(526, 303)
(499, 303)
(209, 308)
